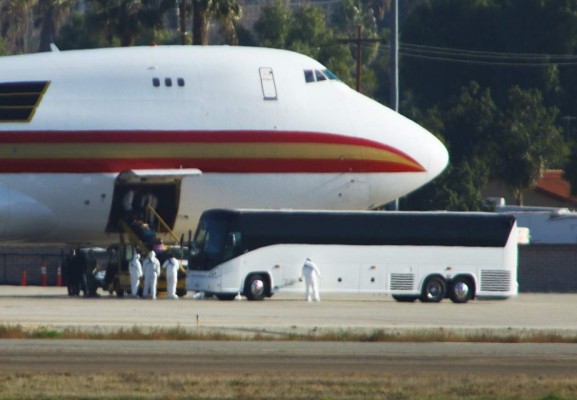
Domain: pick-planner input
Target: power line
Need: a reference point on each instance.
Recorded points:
(478, 53)
(488, 62)
(474, 57)
(471, 57)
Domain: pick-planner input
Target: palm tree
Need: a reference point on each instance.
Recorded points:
(15, 17)
(126, 19)
(226, 11)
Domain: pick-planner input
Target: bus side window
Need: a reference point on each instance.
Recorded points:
(231, 246)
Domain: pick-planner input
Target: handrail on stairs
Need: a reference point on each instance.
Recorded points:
(162, 223)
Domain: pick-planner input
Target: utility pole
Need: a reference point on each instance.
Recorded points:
(359, 43)
(182, 20)
(359, 56)
(395, 57)
(395, 66)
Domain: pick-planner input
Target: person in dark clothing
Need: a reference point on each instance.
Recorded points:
(69, 273)
(80, 267)
(90, 272)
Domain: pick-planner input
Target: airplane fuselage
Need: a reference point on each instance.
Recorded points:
(263, 129)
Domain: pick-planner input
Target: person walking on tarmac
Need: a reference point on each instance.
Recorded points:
(311, 273)
(171, 265)
(135, 269)
(151, 267)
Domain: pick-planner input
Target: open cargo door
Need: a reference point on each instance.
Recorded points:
(135, 190)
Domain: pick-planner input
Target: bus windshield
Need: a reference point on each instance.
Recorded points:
(207, 246)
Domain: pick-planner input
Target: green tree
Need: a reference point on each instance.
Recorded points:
(303, 31)
(3, 48)
(466, 127)
(273, 25)
(15, 24)
(347, 17)
(308, 31)
(457, 189)
(226, 13)
(79, 32)
(124, 21)
(529, 141)
(52, 14)
(507, 27)
(469, 124)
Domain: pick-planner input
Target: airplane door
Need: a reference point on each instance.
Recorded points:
(268, 84)
(134, 190)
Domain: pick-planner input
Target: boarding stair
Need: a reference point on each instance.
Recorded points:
(146, 237)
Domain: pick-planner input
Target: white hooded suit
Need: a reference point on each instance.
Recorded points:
(171, 266)
(311, 274)
(151, 267)
(135, 269)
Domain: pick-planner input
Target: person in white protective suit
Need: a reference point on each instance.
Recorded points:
(311, 274)
(171, 265)
(149, 201)
(135, 269)
(151, 267)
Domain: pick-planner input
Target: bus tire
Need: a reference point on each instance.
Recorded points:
(461, 290)
(434, 290)
(404, 298)
(255, 287)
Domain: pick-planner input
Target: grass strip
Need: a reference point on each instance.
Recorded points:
(330, 335)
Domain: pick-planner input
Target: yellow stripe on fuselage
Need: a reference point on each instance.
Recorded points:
(200, 151)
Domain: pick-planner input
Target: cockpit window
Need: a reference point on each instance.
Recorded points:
(329, 74)
(318, 75)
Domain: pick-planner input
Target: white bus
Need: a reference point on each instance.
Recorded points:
(409, 255)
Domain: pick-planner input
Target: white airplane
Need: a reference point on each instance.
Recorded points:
(198, 127)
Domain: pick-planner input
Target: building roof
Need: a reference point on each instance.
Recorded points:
(553, 184)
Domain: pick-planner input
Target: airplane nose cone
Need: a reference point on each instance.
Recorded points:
(438, 157)
(421, 145)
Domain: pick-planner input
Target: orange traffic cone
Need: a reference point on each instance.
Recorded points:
(23, 279)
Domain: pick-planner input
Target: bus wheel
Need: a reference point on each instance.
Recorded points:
(255, 287)
(434, 290)
(404, 298)
(460, 290)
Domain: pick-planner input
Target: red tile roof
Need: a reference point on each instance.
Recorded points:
(554, 185)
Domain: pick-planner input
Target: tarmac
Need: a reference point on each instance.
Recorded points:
(33, 306)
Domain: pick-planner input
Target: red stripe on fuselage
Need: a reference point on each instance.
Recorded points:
(187, 137)
(207, 165)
